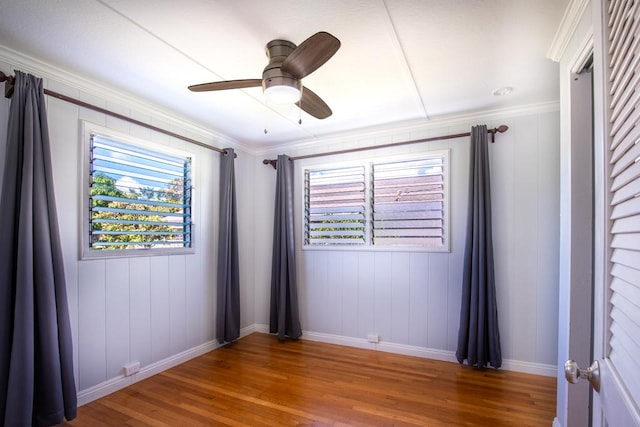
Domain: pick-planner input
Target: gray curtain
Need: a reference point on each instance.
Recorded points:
(478, 336)
(284, 319)
(228, 291)
(36, 361)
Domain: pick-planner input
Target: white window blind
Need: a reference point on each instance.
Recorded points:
(139, 198)
(408, 203)
(335, 206)
(387, 204)
(624, 24)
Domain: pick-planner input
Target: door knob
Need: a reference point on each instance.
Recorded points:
(573, 373)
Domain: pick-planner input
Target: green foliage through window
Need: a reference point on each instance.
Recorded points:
(139, 198)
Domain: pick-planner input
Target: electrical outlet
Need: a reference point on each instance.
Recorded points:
(131, 368)
(373, 338)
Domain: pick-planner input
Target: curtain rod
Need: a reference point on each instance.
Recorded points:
(500, 129)
(8, 92)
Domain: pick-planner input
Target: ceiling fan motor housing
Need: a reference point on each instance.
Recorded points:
(282, 77)
(277, 51)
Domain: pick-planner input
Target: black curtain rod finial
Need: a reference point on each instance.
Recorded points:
(9, 84)
(270, 162)
(501, 129)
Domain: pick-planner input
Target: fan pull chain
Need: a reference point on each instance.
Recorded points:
(300, 106)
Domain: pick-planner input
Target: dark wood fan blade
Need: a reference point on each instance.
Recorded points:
(311, 54)
(227, 84)
(313, 104)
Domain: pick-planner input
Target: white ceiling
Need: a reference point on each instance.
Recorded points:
(400, 61)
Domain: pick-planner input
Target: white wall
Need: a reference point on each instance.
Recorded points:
(154, 310)
(160, 310)
(412, 299)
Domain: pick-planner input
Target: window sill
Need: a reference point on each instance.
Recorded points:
(89, 254)
(362, 248)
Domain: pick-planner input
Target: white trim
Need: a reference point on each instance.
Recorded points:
(338, 340)
(556, 423)
(30, 64)
(411, 350)
(120, 382)
(87, 129)
(583, 54)
(530, 368)
(385, 132)
(261, 328)
(368, 163)
(570, 20)
(248, 330)
(117, 383)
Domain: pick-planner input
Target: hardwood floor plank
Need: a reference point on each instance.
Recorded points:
(260, 381)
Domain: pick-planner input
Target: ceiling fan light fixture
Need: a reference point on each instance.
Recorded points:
(282, 94)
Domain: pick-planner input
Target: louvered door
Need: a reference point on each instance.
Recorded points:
(617, 320)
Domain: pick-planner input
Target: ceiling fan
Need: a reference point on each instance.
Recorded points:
(288, 65)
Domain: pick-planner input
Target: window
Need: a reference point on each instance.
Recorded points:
(335, 200)
(378, 204)
(138, 198)
(408, 203)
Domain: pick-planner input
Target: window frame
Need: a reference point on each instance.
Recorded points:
(86, 252)
(367, 162)
(348, 208)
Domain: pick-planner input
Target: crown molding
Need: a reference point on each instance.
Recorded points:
(583, 54)
(19, 61)
(386, 132)
(570, 20)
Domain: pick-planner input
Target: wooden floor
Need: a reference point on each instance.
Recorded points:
(259, 381)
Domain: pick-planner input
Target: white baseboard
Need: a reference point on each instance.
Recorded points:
(338, 340)
(262, 328)
(121, 381)
(530, 368)
(556, 423)
(406, 350)
(410, 350)
(248, 330)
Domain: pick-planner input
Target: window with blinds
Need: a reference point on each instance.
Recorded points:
(335, 206)
(408, 203)
(138, 198)
(378, 204)
(624, 130)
